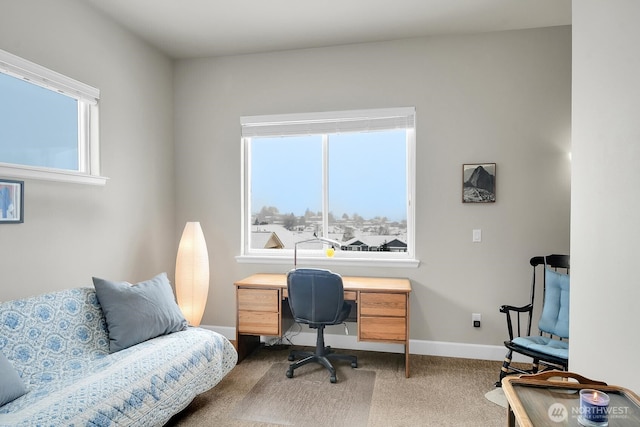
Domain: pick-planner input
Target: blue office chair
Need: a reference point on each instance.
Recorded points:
(316, 297)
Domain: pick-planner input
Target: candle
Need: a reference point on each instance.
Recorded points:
(594, 408)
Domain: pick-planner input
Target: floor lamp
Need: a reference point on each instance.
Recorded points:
(192, 273)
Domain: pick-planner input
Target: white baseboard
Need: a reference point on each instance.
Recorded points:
(429, 348)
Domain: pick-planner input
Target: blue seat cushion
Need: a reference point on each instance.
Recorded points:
(544, 345)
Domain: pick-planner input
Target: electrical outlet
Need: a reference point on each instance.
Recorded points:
(476, 236)
(476, 318)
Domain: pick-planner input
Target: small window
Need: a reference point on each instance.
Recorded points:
(346, 176)
(48, 124)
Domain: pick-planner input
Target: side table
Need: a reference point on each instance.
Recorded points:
(551, 398)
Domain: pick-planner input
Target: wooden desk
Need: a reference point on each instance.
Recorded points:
(534, 399)
(382, 315)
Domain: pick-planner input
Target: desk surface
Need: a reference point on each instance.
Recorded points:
(350, 283)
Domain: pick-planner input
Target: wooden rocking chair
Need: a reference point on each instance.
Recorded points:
(550, 348)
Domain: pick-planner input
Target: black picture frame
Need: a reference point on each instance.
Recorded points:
(478, 183)
(11, 201)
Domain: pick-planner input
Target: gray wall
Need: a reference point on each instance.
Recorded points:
(502, 97)
(126, 229)
(604, 220)
(498, 97)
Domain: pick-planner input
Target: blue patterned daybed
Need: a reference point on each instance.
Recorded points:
(58, 344)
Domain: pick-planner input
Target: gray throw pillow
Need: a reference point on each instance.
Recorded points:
(11, 386)
(136, 313)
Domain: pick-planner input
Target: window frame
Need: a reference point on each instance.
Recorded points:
(87, 98)
(308, 124)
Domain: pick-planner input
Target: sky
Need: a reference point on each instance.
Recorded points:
(43, 122)
(367, 174)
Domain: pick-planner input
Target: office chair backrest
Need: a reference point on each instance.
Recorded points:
(315, 295)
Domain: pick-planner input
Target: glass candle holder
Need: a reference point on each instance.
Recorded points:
(594, 408)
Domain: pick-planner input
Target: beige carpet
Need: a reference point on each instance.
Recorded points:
(440, 392)
(304, 399)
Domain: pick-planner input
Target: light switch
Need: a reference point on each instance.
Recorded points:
(477, 236)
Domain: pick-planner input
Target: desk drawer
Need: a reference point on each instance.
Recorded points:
(258, 300)
(383, 328)
(258, 323)
(381, 304)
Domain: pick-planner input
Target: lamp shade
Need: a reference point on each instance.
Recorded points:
(192, 273)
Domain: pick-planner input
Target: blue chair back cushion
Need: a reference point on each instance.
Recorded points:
(316, 296)
(555, 312)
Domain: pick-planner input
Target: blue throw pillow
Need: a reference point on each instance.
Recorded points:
(136, 313)
(11, 386)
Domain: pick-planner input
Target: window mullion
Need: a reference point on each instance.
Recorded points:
(325, 185)
(411, 189)
(83, 150)
(246, 184)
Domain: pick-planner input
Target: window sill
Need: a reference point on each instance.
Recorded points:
(25, 172)
(324, 261)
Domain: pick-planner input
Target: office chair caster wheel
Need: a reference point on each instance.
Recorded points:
(333, 379)
(354, 364)
(289, 373)
(291, 358)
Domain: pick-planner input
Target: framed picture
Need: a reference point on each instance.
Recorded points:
(479, 183)
(11, 201)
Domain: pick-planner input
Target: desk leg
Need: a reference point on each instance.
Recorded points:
(246, 344)
(406, 344)
(406, 360)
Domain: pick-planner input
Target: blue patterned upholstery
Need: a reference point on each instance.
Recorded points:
(59, 345)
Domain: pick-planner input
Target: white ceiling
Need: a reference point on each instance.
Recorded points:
(199, 28)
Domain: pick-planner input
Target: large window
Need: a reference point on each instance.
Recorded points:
(346, 176)
(48, 124)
